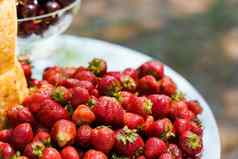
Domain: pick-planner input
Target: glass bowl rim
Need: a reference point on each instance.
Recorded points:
(62, 10)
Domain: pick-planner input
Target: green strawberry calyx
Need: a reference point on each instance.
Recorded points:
(127, 136)
(194, 141)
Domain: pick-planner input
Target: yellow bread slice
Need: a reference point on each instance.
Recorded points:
(13, 87)
(8, 31)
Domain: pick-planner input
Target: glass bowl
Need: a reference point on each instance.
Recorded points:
(33, 30)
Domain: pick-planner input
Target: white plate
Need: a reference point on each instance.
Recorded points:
(69, 51)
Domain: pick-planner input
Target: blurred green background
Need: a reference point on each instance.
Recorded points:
(198, 38)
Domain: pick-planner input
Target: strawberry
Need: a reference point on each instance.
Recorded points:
(128, 83)
(154, 68)
(20, 114)
(109, 85)
(54, 75)
(50, 153)
(54, 113)
(84, 75)
(93, 154)
(131, 72)
(113, 110)
(26, 67)
(194, 106)
(148, 122)
(79, 96)
(126, 99)
(35, 101)
(141, 106)
(6, 151)
(154, 147)
(34, 149)
(44, 137)
(162, 128)
(196, 127)
(69, 71)
(190, 143)
(83, 137)
(166, 156)
(141, 157)
(22, 135)
(61, 95)
(161, 105)
(148, 85)
(6, 135)
(174, 151)
(181, 125)
(167, 86)
(128, 142)
(44, 88)
(103, 139)
(98, 66)
(64, 132)
(83, 115)
(69, 152)
(115, 74)
(179, 109)
(133, 121)
(94, 92)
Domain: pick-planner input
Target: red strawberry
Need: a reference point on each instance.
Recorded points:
(83, 115)
(178, 108)
(79, 96)
(64, 132)
(50, 153)
(98, 66)
(69, 71)
(154, 68)
(103, 139)
(83, 137)
(190, 143)
(20, 114)
(148, 85)
(181, 125)
(115, 74)
(174, 151)
(167, 86)
(26, 67)
(44, 88)
(35, 101)
(141, 106)
(43, 136)
(148, 122)
(6, 151)
(22, 135)
(166, 156)
(54, 75)
(109, 85)
(6, 135)
(54, 113)
(34, 150)
(69, 152)
(131, 72)
(196, 127)
(194, 106)
(109, 111)
(128, 142)
(128, 83)
(161, 105)
(133, 121)
(61, 95)
(93, 154)
(162, 128)
(126, 99)
(186, 114)
(84, 75)
(94, 92)
(154, 147)
(71, 82)
(141, 157)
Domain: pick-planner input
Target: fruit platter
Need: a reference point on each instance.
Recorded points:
(115, 105)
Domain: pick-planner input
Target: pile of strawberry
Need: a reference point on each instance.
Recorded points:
(92, 113)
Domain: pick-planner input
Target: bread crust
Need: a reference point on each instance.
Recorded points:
(13, 86)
